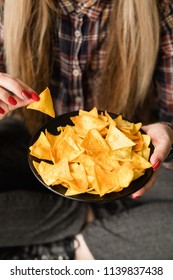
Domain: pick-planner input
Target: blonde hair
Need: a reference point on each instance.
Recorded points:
(27, 40)
(132, 49)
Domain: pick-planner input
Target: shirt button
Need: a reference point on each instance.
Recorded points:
(76, 72)
(77, 33)
(78, 99)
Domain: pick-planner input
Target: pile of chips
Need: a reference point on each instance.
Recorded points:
(96, 155)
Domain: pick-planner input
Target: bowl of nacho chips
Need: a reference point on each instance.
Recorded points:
(91, 156)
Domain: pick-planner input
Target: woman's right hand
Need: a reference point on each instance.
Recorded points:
(14, 94)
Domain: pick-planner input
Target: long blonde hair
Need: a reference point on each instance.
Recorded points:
(27, 40)
(132, 49)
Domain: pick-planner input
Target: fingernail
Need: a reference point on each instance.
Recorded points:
(135, 197)
(12, 100)
(2, 111)
(156, 165)
(35, 96)
(26, 94)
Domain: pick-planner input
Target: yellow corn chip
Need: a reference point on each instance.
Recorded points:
(45, 104)
(41, 148)
(116, 139)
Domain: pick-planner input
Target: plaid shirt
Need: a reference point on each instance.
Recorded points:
(164, 69)
(79, 52)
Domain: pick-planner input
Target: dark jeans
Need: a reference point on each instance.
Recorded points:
(29, 213)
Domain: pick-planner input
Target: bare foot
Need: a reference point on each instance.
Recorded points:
(82, 251)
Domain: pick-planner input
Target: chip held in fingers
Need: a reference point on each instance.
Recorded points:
(97, 154)
(45, 103)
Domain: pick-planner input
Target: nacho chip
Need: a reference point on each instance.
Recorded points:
(87, 162)
(44, 105)
(94, 142)
(41, 148)
(124, 124)
(93, 113)
(50, 173)
(79, 175)
(51, 138)
(106, 180)
(137, 173)
(105, 161)
(85, 123)
(125, 175)
(123, 154)
(138, 162)
(64, 149)
(116, 139)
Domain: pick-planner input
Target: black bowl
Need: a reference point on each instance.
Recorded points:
(63, 120)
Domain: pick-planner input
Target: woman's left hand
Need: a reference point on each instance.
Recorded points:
(162, 139)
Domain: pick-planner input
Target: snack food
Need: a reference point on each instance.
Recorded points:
(44, 105)
(97, 155)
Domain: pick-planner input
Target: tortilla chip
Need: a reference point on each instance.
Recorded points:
(44, 105)
(41, 148)
(50, 173)
(116, 139)
(94, 142)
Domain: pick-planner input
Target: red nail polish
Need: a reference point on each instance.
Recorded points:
(2, 111)
(35, 96)
(135, 197)
(12, 100)
(156, 165)
(26, 94)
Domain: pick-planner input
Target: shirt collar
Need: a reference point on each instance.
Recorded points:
(66, 6)
(92, 8)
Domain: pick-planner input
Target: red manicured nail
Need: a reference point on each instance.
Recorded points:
(12, 100)
(135, 197)
(35, 96)
(156, 165)
(2, 111)
(26, 94)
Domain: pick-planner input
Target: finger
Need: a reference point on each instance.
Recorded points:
(6, 108)
(147, 186)
(24, 85)
(29, 90)
(161, 151)
(6, 97)
(20, 103)
(17, 87)
(9, 83)
(3, 110)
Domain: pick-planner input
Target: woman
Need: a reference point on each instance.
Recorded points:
(116, 55)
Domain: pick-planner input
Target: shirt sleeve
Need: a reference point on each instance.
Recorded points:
(164, 69)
